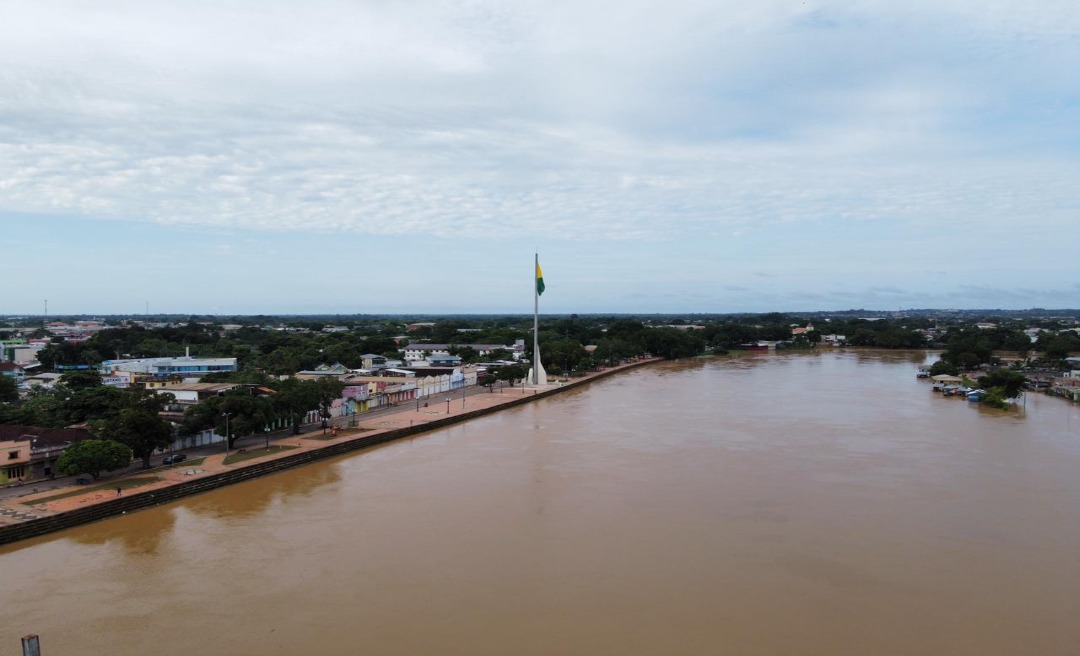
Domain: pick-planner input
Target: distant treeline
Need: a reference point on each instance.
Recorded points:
(271, 346)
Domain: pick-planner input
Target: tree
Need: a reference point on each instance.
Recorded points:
(510, 373)
(91, 402)
(613, 351)
(143, 432)
(499, 354)
(245, 376)
(81, 379)
(1009, 383)
(139, 426)
(93, 457)
(327, 390)
(9, 389)
(486, 380)
(967, 348)
(67, 353)
(1010, 340)
(251, 418)
(672, 343)
(942, 367)
(380, 345)
(444, 332)
(563, 354)
(294, 399)
(237, 414)
(730, 335)
(1056, 346)
(467, 353)
(895, 337)
(44, 407)
(61, 406)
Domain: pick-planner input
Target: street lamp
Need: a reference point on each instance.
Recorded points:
(226, 415)
(448, 405)
(266, 431)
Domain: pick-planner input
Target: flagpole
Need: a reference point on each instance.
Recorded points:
(536, 322)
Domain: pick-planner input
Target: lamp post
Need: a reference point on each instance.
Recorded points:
(226, 415)
(266, 432)
(448, 405)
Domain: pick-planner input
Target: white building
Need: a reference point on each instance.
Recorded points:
(186, 394)
(419, 352)
(188, 367)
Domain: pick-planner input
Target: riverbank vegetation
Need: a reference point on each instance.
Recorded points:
(1002, 385)
(969, 348)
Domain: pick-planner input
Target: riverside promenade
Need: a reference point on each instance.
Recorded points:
(38, 513)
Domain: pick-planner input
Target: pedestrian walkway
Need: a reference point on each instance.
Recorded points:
(19, 515)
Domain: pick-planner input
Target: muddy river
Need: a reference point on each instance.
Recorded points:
(810, 504)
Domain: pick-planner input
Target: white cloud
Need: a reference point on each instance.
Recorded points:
(631, 121)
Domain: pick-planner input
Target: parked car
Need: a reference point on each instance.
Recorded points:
(174, 458)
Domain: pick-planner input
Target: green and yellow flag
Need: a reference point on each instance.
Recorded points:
(539, 280)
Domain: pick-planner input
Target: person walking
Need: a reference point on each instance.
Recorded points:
(117, 490)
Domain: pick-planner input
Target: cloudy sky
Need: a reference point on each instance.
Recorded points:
(411, 156)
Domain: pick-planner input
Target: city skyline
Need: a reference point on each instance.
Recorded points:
(365, 158)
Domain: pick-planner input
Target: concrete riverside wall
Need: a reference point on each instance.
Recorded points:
(138, 500)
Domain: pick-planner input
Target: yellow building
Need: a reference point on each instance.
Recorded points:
(31, 452)
(14, 460)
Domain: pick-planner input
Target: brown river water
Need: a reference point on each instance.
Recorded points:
(809, 504)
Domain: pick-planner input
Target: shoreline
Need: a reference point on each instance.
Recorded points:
(39, 514)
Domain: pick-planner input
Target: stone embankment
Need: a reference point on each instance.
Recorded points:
(102, 508)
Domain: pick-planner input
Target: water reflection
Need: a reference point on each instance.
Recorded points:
(915, 357)
(255, 497)
(138, 533)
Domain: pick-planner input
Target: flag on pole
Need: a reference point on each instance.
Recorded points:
(539, 280)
